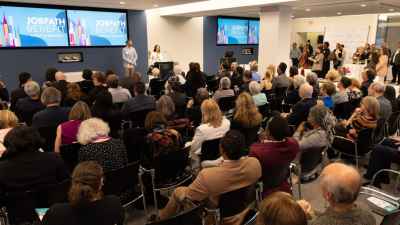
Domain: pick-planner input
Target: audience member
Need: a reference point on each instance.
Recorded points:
(86, 202)
(281, 80)
(310, 48)
(390, 95)
(295, 55)
(74, 95)
(193, 111)
(7, 122)
(166, 107)
(258, 97)
(137, 76)
(31, 103)
(332, 75)
(4, 96)
(177, 97)
(50, 77)
(66, 132)
(376, 90)
(327, 64)
(361, 55)
(247, 78)
(110, 153)
(100, 83)
(109, 72)
(224, 91)
(275, 149)
(156, 74)
(86, 84)
(137, 103)
(177, 77)
(293, 97)
(272, 70)
(368, 76)
(293, 71)
(312, 79)
(234, 173)
(342, 95)
(266, 82)
(253, 69)
(340, 185)
(354, 90)
(233, 69)
(344, 54)
(327, 90)
(190, 67)
(128, 82)
(103, 107)
(246, 115)
(61, 85)
(195, 81)
(320, 134)
(19, 93)
(118, 93)
(281, 208)
(224, 72)
(31, 168)
(304, 58)
(53, 115)
(238, 79)
(318, 62)
(373, 60)
(395, 62)
(171, 72)
(382, 66)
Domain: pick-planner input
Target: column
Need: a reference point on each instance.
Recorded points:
(275, 34)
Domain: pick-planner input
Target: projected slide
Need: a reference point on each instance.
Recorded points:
(32, 27)
(93, 28)
(254, 31)
(232, 31)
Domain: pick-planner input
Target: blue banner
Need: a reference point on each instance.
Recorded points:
(232, 31)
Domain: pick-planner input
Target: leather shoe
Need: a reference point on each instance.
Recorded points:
(393, 81)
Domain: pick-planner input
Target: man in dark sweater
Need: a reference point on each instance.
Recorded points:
(18, 93)
(32, 103)
(177, 98)
(139, 102)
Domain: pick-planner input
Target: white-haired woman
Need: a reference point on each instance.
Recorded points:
(99, 147)
(224, 91)
(259, 98)
(361, 55)
(293, 97)
(177, 77)
(156, 74)
(32, 103)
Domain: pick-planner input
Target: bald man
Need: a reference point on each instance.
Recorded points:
(61, 85)
(340, 185)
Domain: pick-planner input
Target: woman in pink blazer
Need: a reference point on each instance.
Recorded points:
(381, 67)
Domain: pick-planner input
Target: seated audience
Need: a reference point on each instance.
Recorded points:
(137, 103)
(224, 91)
(110, 153)
(177, 97)
(327, 90)
(7, 122)
(50, 77)
(118, 93)
(61, 85)
(266, 82)
(272, 70)
(376, 90)
(342, 95)
(340, 185)
(193, 110)
(354, 90)
(137, 76)
(281, 208)
(390, 95)
(31, 103)
(258, 98)
(253, 69)
(368, 76)
(233, 69)
(246, 115)
(281, 80)
(53, 115)
(247, 78)
(195, 81)
(100, 83)
(312, 79)
(293, 97)
(74, 95)
(177, 77)
(293, 71)
(86, 202)
(234, 173)
(332, 75)
(31, 168)
(319, 135)
(213, 126)
(86, 84)
(128, 82)
(20, 92)
(238, 79)
(4, 96)
(66, 132)
(109, 72)
(166, 107)
(156, 74)
(103, 108)
(276, 149)
(224, 72)
(171, 72)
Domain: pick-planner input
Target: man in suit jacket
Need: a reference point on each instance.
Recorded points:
(19, 92)
(137, 103)
(376, 90)
(368, 76)
(395, 62)
(61, 85)
(281, 80)
(177, 98)
(233, 173)
(53, 115)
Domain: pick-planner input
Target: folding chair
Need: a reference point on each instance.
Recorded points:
(392, 124)
(280, 92)
(29, 116)
(49, 134)
(342, 110)
(138, 117)
(273, 178)
(227, 103)
(180, 110)
(264, 110)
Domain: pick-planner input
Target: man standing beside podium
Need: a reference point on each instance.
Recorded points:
(130, 57)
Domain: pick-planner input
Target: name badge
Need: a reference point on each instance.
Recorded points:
(127, 53)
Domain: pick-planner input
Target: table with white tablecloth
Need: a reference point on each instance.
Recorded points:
(356, 71)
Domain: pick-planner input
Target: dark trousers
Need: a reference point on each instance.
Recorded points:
(396, 73)
(319, 73)
(295, 62)
(381, 158)
(326, 66)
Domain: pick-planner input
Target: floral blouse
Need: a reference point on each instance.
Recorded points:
(353, 95)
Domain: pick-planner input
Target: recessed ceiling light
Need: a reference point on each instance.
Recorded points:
(122, 3)
(308, 9)
(258, 13)
(155, 5)
(292, 16)
(363, 5)
(391, 9)
(339, 13)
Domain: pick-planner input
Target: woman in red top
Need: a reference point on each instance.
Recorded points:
(304, 58)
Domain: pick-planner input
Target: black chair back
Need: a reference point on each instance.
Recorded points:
(86, 87)
(266, 92)
(264, 110)
(69, 153)
(286, 108)
(311, 158)
(139, 117)
(49, 134)
(210, 149)
(342, 110)
(168, 165)
(180, 110)
(211, 77)
(355, 104)
(21, 207)
(212, 85)
(364, 141)
(114, 123)
(193, 217)
(274, 177)
(380, 126)
(227, 103)
(29, 116)
(157, 87)
(276, 104)
(391, 218)
(392, 122)
(280, 92)
(235, 202)
(119, 104)
(250, 135)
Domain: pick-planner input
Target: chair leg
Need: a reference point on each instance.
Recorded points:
(291, 180)
(299, 182)
(154, 193)
(355, 145)
(397, 181)
(144, 198)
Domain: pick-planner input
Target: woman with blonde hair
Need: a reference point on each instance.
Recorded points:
(8, 121)
(166, 107)
(272, 71)
(212, 126)
(332, 75)
(266, 82)
(74, 95)
(246, 115)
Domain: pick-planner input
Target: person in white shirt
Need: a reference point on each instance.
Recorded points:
(176, 78)
(156, 55)
(118, 93)
(130, 57)
(344, 53)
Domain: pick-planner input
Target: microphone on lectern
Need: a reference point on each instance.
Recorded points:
(169, 56)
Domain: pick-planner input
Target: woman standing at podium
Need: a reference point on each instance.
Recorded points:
(156, 55)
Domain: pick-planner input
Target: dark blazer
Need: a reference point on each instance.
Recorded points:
(192, 113)
(95, 91)
(386, 107)
(396, 60)
(301, 110)
(237, 80)
(61, 85)
(137, 103)
(365, 86)
(4, 94)
(29, 171)
(244, 88)
(293, 97)
(178, 98)
(52, 116)
(191, 88)
(16, 95)
(310, 49)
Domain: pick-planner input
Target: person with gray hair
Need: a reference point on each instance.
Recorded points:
(97, 146)
(177, 77)
(259, 98)
(361, 55)
(320, 134)
(31, 104)
(253, 69)
(312, 79)
(171, 72)
(293, 97)
(340, 185)
(53, 115)
(233, 69)
(61, 85)
(376, 90)
(224, 91)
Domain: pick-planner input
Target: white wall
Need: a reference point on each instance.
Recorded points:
(181, 37)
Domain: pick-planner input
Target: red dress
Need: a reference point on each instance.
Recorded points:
(304, 60)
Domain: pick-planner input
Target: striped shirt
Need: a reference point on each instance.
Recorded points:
(359, 123)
